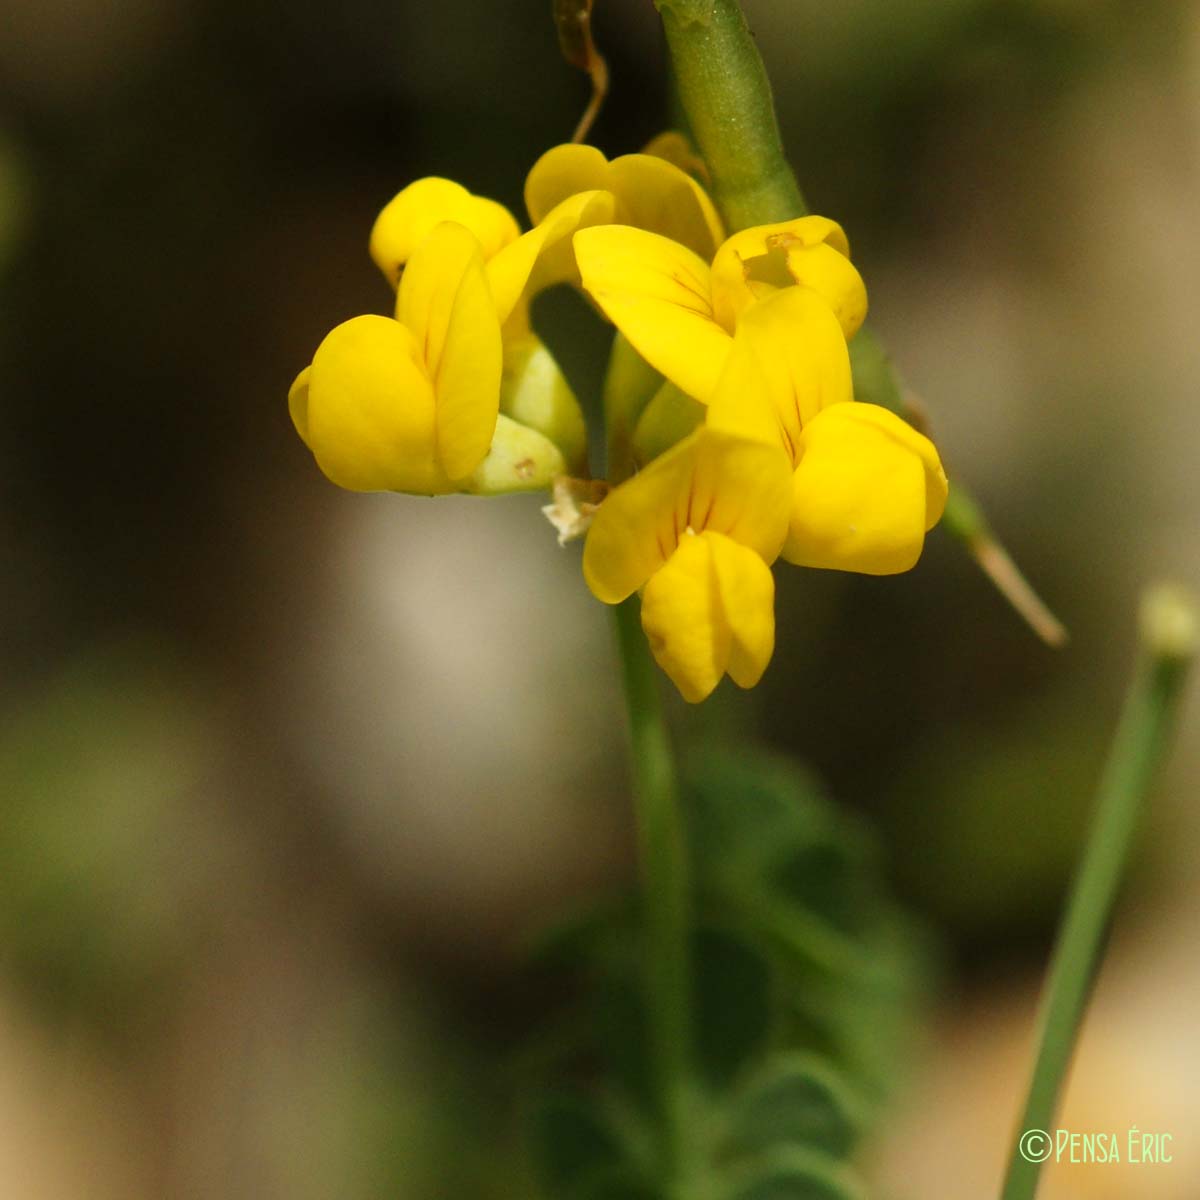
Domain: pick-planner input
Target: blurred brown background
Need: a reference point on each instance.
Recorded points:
(286, 774)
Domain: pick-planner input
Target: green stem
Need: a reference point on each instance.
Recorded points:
(1169, 635)
(662, 855)
(876, 382)
(727, 97)
(661, 838)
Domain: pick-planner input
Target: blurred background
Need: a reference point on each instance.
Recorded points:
(288, 776)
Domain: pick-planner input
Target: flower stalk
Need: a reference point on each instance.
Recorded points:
(725, 93)
(662, 858)
(1170, 633)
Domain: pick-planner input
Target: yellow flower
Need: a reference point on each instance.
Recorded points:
(697, 530)
(373, 405)
(680, 314)
(381, 408)
(412, 404)
(866, 486)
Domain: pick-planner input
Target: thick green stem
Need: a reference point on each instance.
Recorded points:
(727, 97)
(662, 856)
(1169, 635)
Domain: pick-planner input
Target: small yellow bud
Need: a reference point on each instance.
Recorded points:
(1170, 621)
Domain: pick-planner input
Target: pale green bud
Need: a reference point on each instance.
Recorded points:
(520, 460)
(667, 419)
(535, 394)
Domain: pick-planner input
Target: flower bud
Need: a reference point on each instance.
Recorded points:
(519, 460)
(534, 393)
(669, 417)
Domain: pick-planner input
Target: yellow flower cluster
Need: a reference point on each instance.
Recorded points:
(753, 448)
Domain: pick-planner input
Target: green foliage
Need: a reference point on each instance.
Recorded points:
(805, 978)
(732, 1005)
(572, 1140)
(799, 881)
(795, 1173)
(796, 1099)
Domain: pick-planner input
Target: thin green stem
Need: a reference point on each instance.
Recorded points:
(725, 92)
(661, 838)
(662, 857)
(875, 382)
(1169, 637)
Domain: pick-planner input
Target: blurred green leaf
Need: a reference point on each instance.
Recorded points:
(796, 1099)
(795, 1174)
(571, 1139)
(733, 1006)
(620, 1020)
(616, 1185)
(799, 883)
(806, 976)
(576, 937)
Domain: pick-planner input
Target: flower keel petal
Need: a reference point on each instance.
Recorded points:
(710, 610)
(369, 416)
(866, 489)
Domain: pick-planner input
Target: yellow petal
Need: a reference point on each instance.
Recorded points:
(789, 362)
(709, 481)
(710, 610)
(747, 591)
(834, 278)
(676, 148)
(411, 216)
(656, 292)
(298, 403)
(445, 300)
(368, 414)
(656, 195)
(561, 172)
(867, 488)
(810, 251)
(544, 255)
(652, 193)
